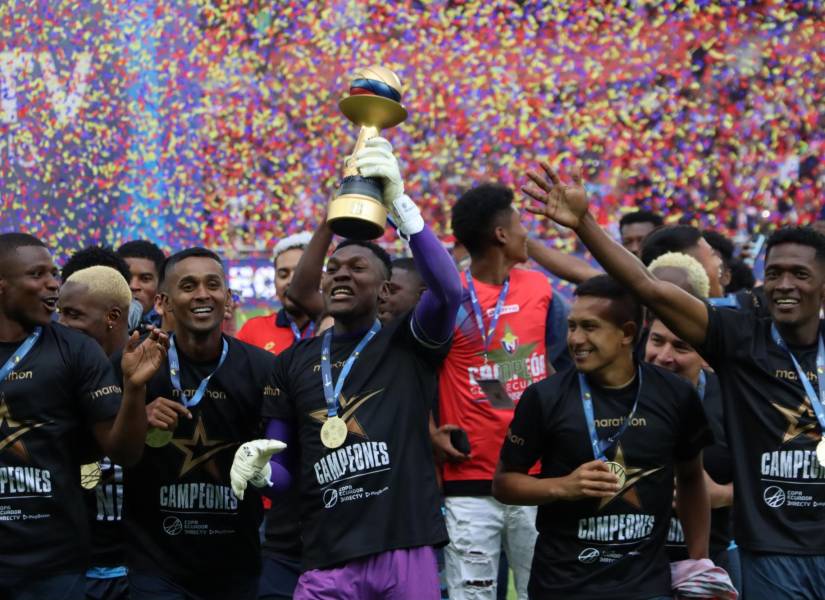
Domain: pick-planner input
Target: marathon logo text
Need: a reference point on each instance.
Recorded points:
(792, 375)
(618, 421)
(356, 458)
(20, 376)
(106, 391)
(211, 394)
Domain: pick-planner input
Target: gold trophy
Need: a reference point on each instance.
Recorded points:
(374, 103)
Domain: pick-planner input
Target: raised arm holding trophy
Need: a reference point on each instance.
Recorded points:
(359, 211)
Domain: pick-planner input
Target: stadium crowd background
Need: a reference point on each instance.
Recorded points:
(216, 122)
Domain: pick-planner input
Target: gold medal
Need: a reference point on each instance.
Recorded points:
(820, 452)
(158, 438)
(618, 471)
(90, 475)
(333, 432)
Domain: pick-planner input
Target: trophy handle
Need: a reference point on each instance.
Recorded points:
(367, 132)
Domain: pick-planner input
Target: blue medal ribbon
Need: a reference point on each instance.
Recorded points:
(601, 446)
(486, 335)
(174, 373)
(20, 353)
(296, 331)
(702, 385)
(331, 393)
(816, 399)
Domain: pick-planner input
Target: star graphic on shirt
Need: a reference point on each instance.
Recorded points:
(793, 416)
(349, 407)
(517, 359)
(199, 448)
(633, 475)
(13, 430)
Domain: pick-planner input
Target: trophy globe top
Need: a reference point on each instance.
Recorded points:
(374, 98)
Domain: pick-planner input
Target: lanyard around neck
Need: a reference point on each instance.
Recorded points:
(816, 398)
(702, 385)
(486, 334)
(296, 331)
(174, 373)
(20, 353)
(331, 393)
(601, 446)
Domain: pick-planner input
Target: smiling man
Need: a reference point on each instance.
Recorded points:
(188, 535)
(356, 402)
(611, 434)
(770, 370)
(58, 394)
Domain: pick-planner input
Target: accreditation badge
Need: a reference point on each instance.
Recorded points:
(333, 432)
(496, 393)
(158, 438)
(618, 471)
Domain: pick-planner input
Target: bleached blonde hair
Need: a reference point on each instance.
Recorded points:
(696, 274)
(104, 283)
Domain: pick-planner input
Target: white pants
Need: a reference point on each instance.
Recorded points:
(478, 527)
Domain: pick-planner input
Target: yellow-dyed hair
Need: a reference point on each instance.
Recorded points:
(104, 283)
(696, 274)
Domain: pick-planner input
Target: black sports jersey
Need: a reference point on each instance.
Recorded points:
(48, 405)
(181, 516)
(104, 508)
(282, 527)
(612, 547)
(378, 491)
(772, 432)
(719, 466)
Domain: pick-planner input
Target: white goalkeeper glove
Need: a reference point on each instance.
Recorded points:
(251, 465)
(376, 160)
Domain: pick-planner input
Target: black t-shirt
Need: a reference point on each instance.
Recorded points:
(613, 547)
(754, 301)
(182, 518)
(719, 465)
(378, 491)
(282, 526)
(104, 508)
(48, 406)
(772, 433)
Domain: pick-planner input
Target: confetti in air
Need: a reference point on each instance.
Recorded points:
(216, 122)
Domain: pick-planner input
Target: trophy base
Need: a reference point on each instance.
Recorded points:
(357, 217)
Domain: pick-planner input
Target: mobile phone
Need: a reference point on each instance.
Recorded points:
(460, 441)
(497, 396)
(757, 245)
